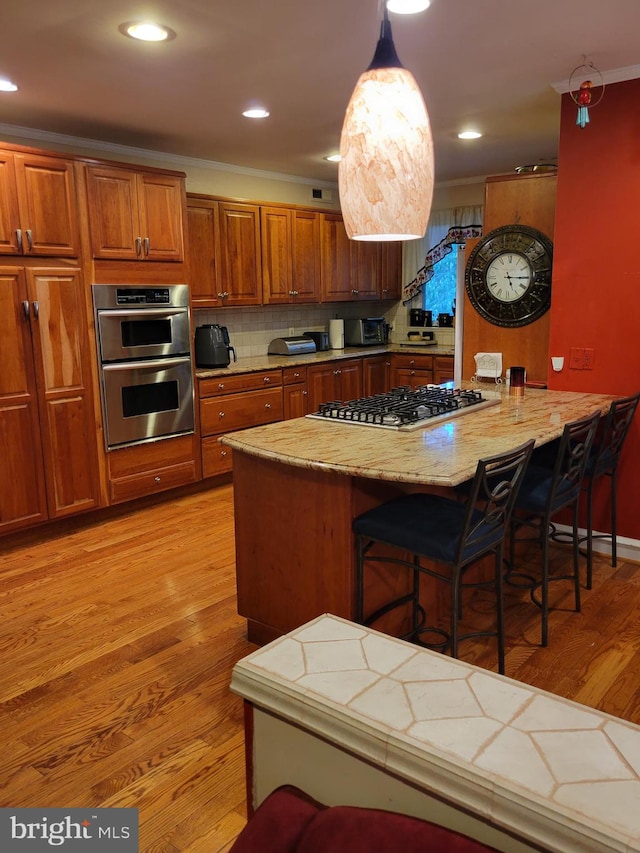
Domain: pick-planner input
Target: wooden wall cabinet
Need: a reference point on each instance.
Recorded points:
(48, 464)
(230, 403)
(391, 270)
(366, 270)
(38, 207)
(135, 216)
(290, 242)
(224, 252)
(335, 259)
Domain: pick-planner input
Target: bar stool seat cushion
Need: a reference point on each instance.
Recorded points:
(429, 525)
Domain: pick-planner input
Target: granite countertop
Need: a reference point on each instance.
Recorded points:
(549, 770)
(445, 453)
(253, 364)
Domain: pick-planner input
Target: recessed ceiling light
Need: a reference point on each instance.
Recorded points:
(256, 112)
(146, 31)
(7, 86)
(469, 134)
(407, 7)
(333, 158)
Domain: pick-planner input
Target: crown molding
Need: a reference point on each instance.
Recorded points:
(617, 75)
(161, 157)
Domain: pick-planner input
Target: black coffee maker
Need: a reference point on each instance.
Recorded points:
(212, 346)
(420, 317)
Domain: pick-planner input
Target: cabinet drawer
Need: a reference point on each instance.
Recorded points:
(293, 375)
(239, 382)
(216, 458)
(150, 482)
(238, 411)
(418, 362)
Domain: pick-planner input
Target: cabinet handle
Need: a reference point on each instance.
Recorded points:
(36, 309)
(267, 405)
(29, 239)
(295, 292)
(304, 393)
(146, 245)
(221, 386)
(355, 292)
(25, 308)
(220, 414)
(412, 362)
(138, 246)
(296, 376)
(19, 238)
(266, 379)
(157, 479)
(223, 453)
(291, 292)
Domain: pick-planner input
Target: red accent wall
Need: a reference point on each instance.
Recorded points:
(596, 279)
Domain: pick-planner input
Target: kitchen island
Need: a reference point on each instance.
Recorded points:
(299, 484)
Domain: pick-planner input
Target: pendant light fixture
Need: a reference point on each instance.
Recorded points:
(385, 176)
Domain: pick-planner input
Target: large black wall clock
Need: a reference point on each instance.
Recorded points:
(508, 275)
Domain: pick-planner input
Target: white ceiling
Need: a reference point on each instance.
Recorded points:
(489, 63)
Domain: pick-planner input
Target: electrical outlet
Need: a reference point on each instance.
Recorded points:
(587, 363)
(576, 358)
(292, 331)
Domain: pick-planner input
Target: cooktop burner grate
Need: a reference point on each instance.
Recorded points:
(401, 407)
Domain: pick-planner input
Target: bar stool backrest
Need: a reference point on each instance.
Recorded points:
(573, 455)
(607, 450)
(495, 488)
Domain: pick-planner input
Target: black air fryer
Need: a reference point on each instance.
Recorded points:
(212, 346)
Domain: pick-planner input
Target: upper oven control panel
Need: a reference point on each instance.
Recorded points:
(143, 296)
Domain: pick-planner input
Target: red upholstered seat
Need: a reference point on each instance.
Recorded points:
(289, 821)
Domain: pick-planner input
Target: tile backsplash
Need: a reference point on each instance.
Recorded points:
(252, 329)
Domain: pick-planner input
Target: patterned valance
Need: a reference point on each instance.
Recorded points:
(457, 234)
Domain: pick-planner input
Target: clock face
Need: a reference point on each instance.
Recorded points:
(508, 275)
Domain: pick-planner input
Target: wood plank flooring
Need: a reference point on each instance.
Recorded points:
(118, 635)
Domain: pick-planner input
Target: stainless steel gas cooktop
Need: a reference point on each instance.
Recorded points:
(404, 408)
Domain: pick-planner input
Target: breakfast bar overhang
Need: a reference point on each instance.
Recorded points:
(298, 485)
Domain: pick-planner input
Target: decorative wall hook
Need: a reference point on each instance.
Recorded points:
(583, 94)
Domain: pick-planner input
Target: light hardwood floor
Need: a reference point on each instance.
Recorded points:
(118, 636)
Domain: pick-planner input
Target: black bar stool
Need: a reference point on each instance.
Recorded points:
(451, 533)
(543, 493)
(603, 461)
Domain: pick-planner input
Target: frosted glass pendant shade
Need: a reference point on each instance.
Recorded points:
(385, 176)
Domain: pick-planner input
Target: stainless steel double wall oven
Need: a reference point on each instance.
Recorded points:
(144, 356)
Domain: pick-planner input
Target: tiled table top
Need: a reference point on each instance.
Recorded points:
(554, 772)
(444, 454)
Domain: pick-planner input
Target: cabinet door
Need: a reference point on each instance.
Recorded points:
(240, 270)
(365, 269)
(160, 210)
(65, 398)
(391, 270)
(375, 375)
(306, 255)
(335, 259)
(203, 243)
(443, 369)
(322, 384)
(48, 206)
(113, 213)
(22, 491)
(350, 378)
(277, 266)
(295, 400)
(9, 217)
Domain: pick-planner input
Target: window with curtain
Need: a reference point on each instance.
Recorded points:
(435, 257)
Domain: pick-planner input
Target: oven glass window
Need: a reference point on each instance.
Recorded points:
(147, 399)
(137, 333)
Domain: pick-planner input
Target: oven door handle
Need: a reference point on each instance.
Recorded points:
(153, 364)
(142, 312)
